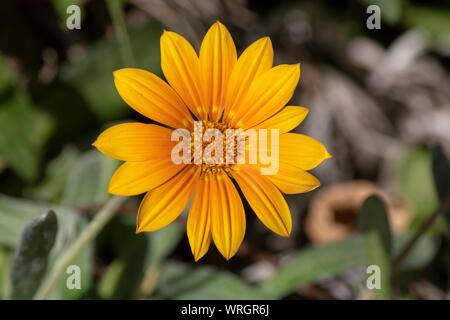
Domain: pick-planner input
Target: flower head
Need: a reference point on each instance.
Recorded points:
(220, 91)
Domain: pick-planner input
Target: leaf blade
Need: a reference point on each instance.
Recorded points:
(31, 256)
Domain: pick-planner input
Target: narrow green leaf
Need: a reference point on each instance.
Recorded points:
(373, 216)
(133, 269)
(30, 257)
(180, 281)
(314, 264)
(416, 182)
(374, 223)
(110, 279)
(5, 263)
(376, 255)
(420, 255)
(441, 173)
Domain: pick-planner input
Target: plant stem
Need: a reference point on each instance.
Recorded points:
(120, 28)
(91, 231)
(406, 250)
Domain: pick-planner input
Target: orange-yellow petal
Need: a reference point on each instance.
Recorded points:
(265, 199)
(181, 67)
(164, 204)
(154, 98)
(267, 95)
(285, 120)
(291, 180)
(301, 151)
(227, 215)
(255, 60)
(199, 220)
(136, 142)
(136, 177)
(217, 59)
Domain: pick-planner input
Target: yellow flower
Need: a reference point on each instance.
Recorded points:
(223, 92)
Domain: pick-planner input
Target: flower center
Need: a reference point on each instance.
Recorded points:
(210, 147)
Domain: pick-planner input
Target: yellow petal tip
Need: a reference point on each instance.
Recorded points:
(286, 233)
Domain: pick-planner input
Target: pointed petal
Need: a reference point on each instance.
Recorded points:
(181, 67)
(217, 59)
(135, 142)
(164, 204)
(267, 95)
(199, 220)
(137, 177)
(285, 120)
(265, 199)
(227, 215)
(149, 95)
(254, 61)
(291, 180)
(302, 151)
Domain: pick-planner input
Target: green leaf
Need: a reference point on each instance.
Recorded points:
(420, 255)
(56, 175)
(180, 281)
(24, 129)
(110, 279)
(374, 223)
(88, 181)
(124, 275)
(373, 217)
(92, 76)
(15, 214)
(162, 243)
(377, 255)
(30, 257)
(5, 262)
(416, 182)
(441, 173)
(314, 264)
(136, 255)
(435, 21)
(6, 77)
(86, 186)
(16, 140)
(84, 260)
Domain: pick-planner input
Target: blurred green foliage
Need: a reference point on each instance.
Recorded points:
(31, 255)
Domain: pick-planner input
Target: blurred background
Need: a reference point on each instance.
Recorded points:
(379, 100)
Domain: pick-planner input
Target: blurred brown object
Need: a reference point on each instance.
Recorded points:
(365, 294)
(425, 290)
(332, 213)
